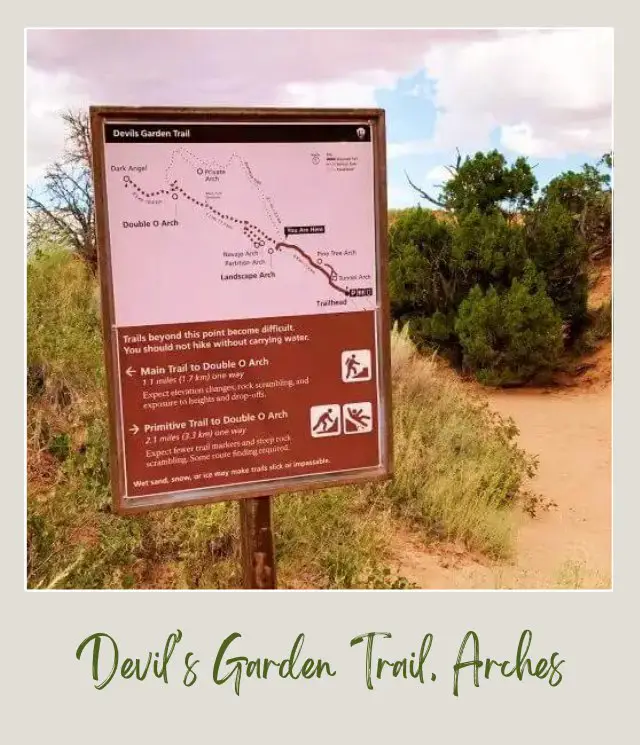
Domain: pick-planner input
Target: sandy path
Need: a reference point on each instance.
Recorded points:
(568, 545)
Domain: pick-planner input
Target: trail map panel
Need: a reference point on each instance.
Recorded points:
(242, 267)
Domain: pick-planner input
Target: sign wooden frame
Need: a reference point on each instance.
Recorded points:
(375, 118)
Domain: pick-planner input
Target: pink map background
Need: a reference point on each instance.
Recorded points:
(172, 274)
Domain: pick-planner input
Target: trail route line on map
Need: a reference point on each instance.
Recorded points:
(257, 236)
(271, 230)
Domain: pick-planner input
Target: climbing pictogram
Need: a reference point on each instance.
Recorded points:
(356, 365)
(325, 420)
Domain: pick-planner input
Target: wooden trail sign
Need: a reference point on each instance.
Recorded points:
(243, 262)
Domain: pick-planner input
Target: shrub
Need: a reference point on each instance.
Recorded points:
(410, 281)
(489, 249)
(587, 196)
(511, 336)
(422, 270)
(487, 183)
(490, 229)
(560, 253)
(424, 278)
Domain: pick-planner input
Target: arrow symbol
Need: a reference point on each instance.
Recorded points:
(134, 429)
(130, 371)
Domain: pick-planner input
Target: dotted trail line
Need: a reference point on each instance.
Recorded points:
(257, 236)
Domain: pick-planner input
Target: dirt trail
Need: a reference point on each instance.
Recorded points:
(568, 545)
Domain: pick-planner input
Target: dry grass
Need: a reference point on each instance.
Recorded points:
(457, 472)
(577, 575)
(457, 466)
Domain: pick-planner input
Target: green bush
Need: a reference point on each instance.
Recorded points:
(437, 262)
(560, 253)
(490, 229)
(587, 196)
(485, 182)
(511, 336)
(488, 249)
(424, 278)
(410, 281)
(422, 269)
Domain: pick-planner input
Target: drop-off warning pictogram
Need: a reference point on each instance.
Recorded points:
(357, 418)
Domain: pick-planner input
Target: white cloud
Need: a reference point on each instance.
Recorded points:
(549, 92)
(68, 67)
(521, 138)
(332, 93)
(357, 90)
(410, 147)
(218, 67)
(438, 174)
(47, 95)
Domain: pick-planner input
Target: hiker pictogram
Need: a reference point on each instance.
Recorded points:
(325, 420)
(356, 365)
(357, 418)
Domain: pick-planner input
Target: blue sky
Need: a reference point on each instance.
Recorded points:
(542, 93)
(411, 116)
